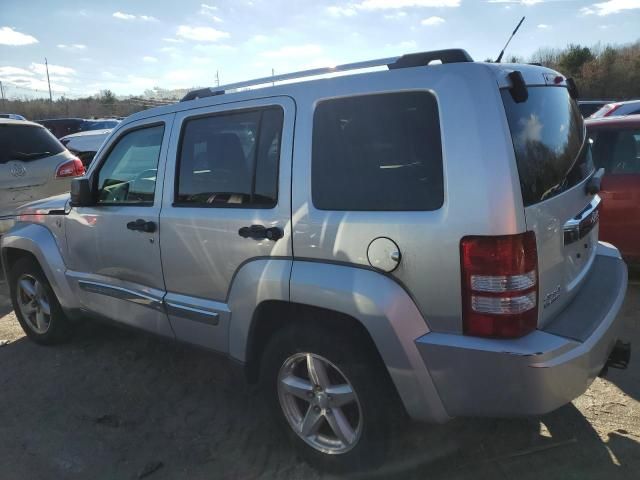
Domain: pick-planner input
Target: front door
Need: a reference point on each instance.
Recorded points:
(226, 205)
(113, 246)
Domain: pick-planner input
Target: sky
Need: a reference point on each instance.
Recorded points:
(131, 46)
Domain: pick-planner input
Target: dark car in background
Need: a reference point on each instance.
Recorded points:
(61, 127)
(618, 109)
(589, 107)
(616, 148)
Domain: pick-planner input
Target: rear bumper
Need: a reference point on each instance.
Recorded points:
(542, 371)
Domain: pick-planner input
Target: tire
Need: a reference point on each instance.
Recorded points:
(35, 304)
(371, 417)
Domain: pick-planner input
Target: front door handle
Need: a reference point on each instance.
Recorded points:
(260, 232)
(142, 225)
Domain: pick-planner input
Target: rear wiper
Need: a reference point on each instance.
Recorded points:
(29, 156)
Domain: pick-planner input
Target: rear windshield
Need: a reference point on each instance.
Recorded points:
(27, 142)
(549, 142)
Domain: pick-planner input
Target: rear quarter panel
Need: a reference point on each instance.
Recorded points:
(482, 192)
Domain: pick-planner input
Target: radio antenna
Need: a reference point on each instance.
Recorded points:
(507, 44)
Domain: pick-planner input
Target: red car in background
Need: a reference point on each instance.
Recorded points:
(616, 148)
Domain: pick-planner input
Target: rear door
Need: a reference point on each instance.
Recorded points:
(554, 161)
(617, 150)
(29, 158)
(228, 169)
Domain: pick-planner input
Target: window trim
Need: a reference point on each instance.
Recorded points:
(427, 91)
(176, 175)
(93, 178)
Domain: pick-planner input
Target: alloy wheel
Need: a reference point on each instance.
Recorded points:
(34, 303)
(320, 403)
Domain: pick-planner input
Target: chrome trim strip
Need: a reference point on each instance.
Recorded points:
(121, 293)
(192, 313)
(575, 221)
(572, 231)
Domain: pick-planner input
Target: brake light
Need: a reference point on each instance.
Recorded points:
(499, 285)
(72, 168)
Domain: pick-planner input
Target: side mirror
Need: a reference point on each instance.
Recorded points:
(81, 195)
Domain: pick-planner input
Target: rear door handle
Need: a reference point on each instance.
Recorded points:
(142, 225)
(260, 232)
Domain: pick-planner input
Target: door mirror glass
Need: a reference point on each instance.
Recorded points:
(81, 195)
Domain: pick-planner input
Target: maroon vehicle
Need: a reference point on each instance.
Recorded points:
(616, 148)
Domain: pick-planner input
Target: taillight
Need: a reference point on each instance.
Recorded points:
(499, 285)
(72, 168)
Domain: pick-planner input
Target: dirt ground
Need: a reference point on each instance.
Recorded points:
(115, 404)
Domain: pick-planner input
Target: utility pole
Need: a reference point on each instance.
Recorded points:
(46, 65)
(217, 79)
(2, 92)
(273, 74)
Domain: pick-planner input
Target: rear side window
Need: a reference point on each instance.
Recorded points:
(27, 142)
(377, 153)
(617, 151)
(230, 160)
(547, 131)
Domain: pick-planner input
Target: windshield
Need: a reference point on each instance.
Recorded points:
(27, 142)
(548, 137)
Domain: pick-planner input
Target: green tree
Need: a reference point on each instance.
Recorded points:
(572, 59)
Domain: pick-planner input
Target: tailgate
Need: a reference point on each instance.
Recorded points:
(554, 164)
(567, 236)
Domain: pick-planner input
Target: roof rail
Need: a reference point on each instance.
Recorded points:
(453, 55)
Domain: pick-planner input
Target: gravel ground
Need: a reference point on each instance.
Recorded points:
(116, 404)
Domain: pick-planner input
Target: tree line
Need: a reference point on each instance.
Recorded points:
(600, 71)
(101, 105)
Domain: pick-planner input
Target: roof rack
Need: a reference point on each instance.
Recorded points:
(453, 55)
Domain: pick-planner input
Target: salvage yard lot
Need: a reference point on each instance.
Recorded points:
(116, 404)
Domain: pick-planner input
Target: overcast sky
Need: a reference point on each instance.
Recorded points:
(129, 46)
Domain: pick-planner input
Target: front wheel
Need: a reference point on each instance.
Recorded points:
(35, 305)
(331, 400)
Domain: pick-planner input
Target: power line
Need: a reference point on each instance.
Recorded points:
(46, 65)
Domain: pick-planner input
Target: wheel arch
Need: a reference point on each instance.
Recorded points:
(366, 302)
(38, 242)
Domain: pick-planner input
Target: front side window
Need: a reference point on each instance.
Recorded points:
(617, 151)
(230, 160)
(128, 175)
(377, 153)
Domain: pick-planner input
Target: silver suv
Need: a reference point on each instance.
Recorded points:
(421, 240)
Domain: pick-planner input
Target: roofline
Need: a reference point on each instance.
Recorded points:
(453, 55)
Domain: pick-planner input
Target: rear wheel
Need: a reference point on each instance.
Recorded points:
(331, 400)
(35, 304)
